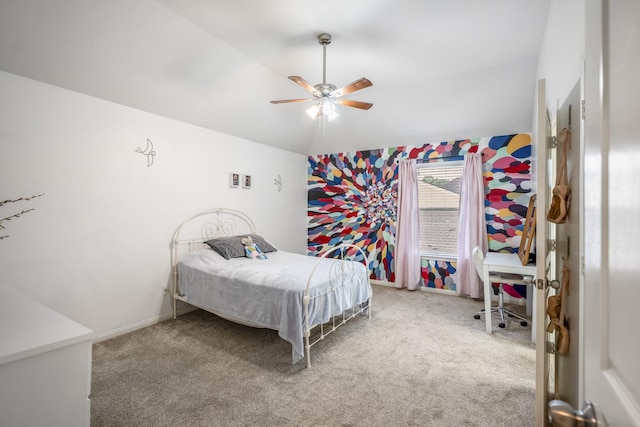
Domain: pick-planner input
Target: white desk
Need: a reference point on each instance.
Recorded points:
(498, 262)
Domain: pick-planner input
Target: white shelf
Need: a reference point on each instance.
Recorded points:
(28, 328)
(45, 365)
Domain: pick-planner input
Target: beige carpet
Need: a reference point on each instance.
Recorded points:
(421, 360)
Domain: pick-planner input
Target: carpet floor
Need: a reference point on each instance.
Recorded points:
(421, 360)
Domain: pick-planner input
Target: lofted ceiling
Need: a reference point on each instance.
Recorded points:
(441, 69)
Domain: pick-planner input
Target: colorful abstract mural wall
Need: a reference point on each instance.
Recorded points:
(352, 198)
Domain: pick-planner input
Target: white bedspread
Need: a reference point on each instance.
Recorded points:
(269, 293)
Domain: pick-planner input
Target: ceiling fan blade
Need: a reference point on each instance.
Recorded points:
(284, 101)
(352, 87)
(354, 104)
(304, 84)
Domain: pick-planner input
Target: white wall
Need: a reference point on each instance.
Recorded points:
(96, 248)
(560, 57)
(562, 50)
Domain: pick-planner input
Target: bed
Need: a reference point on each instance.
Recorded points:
(291, 293)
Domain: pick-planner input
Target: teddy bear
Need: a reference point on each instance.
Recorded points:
(251, 249)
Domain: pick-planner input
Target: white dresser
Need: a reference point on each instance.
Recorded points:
(45, 365)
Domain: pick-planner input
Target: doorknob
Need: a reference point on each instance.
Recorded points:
(561, 414)
(555, 284)
(544, 283)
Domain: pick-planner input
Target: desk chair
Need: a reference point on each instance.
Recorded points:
(496, 280)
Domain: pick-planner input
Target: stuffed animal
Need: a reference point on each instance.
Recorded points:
(251, 249)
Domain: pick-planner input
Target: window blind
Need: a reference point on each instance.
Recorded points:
(438, 198)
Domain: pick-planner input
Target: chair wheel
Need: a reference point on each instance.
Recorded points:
(502, 325)
(476, 316)
(524, 323)
(509, 314)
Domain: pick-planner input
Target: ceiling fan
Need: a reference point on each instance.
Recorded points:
(325, 94)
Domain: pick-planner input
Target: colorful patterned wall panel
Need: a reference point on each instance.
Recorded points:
(438, 274)
(507, 179)
(352, 198)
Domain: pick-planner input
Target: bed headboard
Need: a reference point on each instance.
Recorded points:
(193, 232)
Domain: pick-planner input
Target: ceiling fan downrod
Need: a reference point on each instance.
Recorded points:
(325, 89)
(324, 39)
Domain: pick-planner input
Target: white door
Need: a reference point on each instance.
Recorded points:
(569, 248)
(558, 246)
(612, 210)
(545, 375)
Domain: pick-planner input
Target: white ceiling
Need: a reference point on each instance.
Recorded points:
(441, 69)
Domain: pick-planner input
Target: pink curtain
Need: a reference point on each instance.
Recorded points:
(472, 230)
(407, 256)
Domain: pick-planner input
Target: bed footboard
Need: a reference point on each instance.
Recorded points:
(349, 294)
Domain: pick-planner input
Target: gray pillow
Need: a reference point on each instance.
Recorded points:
(261, 243)
(232, 247)
(227, 247)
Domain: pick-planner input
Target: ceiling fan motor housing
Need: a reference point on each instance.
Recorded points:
(325, 89)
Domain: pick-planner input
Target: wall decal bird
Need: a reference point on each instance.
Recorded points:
(148, 151)
(278, 181)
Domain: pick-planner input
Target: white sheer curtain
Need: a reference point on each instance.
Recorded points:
(407, 257)
(472, 230)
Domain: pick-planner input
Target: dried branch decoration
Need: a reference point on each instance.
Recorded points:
(24, 211)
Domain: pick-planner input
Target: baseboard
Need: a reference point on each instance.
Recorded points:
(420, 288)
(381, 283)
(113, 333)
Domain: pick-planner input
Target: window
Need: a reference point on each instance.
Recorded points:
(438, 198)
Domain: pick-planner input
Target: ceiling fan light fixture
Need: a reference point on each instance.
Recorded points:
(313, 111)
(328, 110)
(323, 108)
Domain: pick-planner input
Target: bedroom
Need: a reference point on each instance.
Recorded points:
(106, 217)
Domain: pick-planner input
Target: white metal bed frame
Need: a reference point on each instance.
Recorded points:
(221, 222)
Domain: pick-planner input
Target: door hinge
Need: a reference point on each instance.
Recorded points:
(552, 245)
(582, 109)
(552, 142)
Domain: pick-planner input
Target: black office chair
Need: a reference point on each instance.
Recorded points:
(496, 280)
